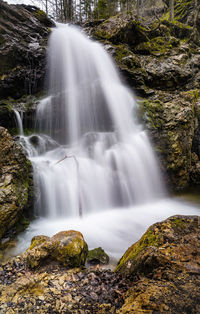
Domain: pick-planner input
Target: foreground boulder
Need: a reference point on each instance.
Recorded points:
(165, 267)
(66, 247)
(15, 182)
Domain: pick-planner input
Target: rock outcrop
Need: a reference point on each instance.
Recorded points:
(164, 266)
(15, 182)
(23, 36)
(161, 63)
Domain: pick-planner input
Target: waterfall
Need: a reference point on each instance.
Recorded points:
(90, 156)
(19, 119)
(92, 116)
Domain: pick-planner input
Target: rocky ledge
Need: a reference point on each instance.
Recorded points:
(158, 274)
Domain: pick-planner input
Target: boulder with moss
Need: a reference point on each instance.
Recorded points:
(165, 267)
(97, 256)
(15, 182)
(67, 247)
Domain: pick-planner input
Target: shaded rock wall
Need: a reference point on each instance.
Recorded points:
(23, 36)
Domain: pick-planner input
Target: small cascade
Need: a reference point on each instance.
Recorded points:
(19, 121)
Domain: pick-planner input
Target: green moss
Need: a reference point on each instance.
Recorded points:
(97, 256)
(37, 240)
(178, 223)
(157, 46)
(151, 112)
(40, 15)
(150, 238)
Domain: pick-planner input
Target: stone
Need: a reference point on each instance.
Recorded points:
(165, 267)
(97, 256)
(67, 247)
(15, 182)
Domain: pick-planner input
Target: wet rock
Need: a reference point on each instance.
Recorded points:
(172, 121)
(97, 256)
(23, 36)
(66, 247)
(15, 182)
(165, 263)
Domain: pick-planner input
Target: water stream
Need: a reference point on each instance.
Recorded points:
(94, 168)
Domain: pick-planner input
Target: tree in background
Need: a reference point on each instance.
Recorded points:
(87, 10)
(171, 9)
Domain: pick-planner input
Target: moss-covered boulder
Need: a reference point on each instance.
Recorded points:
(165, 267)
(15, 182)
(67, 247)
(97, 256)
(122, 29)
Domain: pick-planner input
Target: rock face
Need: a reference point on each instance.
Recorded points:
(161, 63)
(15, 182)
(23, 37)
(165, 267)
(66, 247)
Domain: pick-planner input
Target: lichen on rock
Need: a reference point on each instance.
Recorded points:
(15, 182)
(164, 264)
(66, 247)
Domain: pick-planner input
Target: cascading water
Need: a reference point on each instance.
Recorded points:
(92, 115)
(19, 121)
(91, 156)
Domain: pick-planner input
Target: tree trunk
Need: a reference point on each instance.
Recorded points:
(138, 9)
(171, 10)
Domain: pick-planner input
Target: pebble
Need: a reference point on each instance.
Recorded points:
(55, 289)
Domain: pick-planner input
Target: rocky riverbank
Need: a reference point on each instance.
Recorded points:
(160, 273)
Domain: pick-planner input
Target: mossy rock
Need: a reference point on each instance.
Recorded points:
(97, 256)
(121, 29)
(161, 246)
(158, 46)
(67, 247)
(37, 240)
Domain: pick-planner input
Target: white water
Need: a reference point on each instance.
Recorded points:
(19, 119)
(111, 176)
